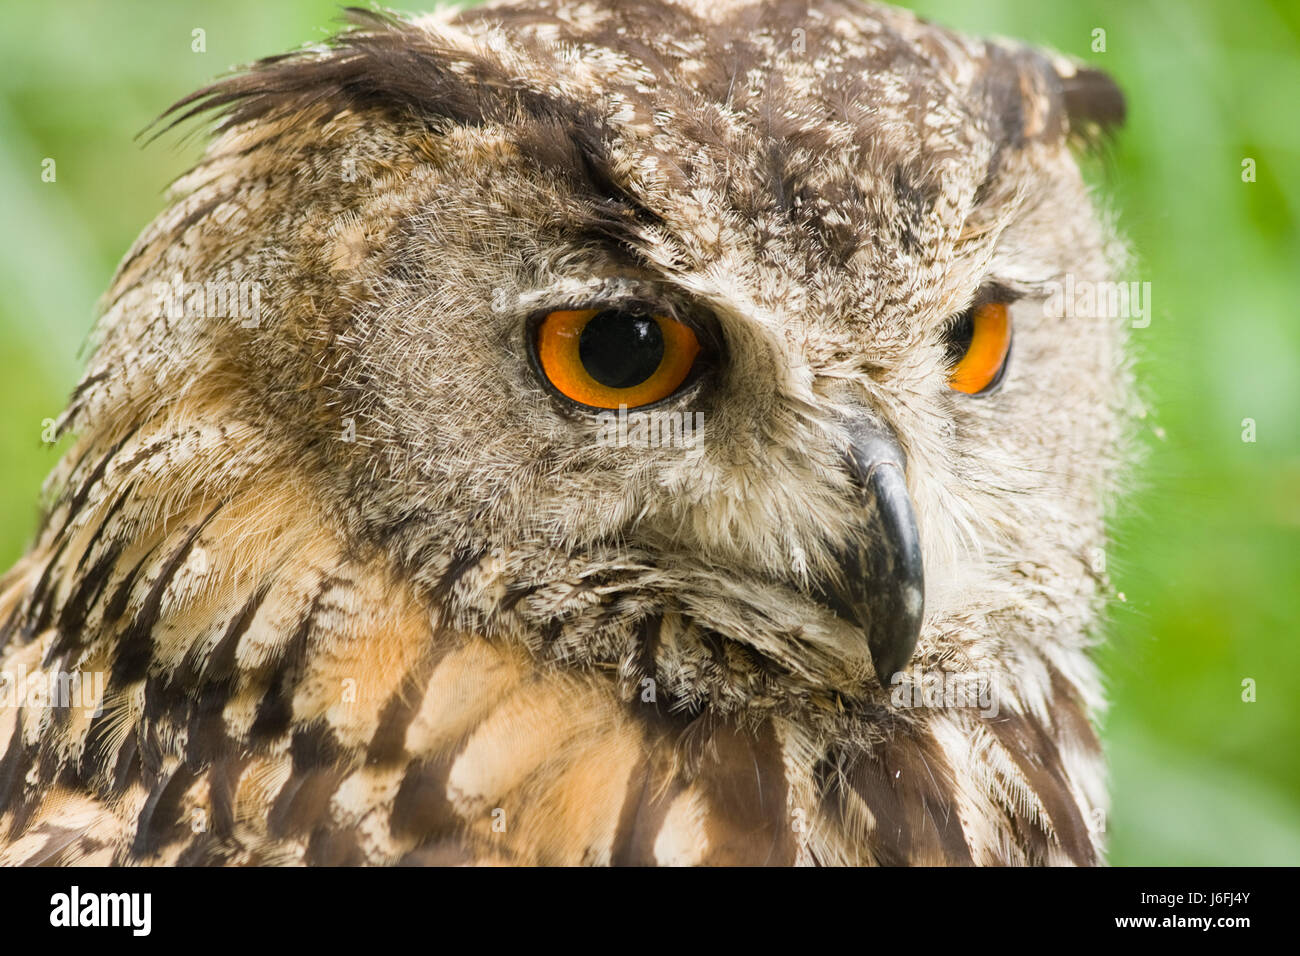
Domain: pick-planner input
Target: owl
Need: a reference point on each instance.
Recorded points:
(590, 432)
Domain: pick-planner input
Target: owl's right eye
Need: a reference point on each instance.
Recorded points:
(605, 358)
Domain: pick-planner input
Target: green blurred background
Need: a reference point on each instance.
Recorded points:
(1207, 551)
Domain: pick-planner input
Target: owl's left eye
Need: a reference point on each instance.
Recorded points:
(979, 347)
(604, 358)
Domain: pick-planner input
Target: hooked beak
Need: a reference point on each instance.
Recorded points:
(881, 585)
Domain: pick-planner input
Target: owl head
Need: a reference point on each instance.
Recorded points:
(709, 344)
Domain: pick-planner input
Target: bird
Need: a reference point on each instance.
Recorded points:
(591, 433)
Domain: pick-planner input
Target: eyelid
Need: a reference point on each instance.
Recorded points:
(994, 291)
(698, 320)
(990, 291)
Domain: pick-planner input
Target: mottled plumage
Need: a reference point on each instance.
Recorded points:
(363, 591)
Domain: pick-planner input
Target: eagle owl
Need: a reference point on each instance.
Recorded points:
(589, 433)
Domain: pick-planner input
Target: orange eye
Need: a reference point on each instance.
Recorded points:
(611, 357)
(979, 343)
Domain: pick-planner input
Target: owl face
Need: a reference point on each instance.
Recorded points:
(706, 344)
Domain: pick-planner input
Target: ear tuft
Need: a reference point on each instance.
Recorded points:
(1094, 105)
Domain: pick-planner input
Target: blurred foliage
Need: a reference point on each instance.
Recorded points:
(1207, 552)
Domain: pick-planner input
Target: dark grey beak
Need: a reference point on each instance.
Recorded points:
(882, 585)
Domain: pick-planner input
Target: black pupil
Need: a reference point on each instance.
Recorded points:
(960, 335)
(621, 349)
